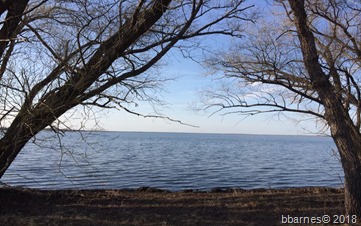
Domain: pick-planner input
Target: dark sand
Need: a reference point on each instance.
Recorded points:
(147, 206)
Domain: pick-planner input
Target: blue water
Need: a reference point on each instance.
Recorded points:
(175, 161)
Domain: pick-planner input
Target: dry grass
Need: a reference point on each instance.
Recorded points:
(156, 207)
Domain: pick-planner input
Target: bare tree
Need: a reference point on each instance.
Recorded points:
(307, 61)
(60, 54)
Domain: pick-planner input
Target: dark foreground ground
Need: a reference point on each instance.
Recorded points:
(147, 206)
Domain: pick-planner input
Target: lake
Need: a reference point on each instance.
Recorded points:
(175, 161)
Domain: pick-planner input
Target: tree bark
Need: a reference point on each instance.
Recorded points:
(15, 10)
(345, 134)
(24, 127)
(349, 152)
(11, 145)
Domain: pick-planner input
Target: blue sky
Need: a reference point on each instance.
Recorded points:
(180, 94)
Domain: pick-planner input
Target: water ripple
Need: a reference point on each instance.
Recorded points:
(176, 161)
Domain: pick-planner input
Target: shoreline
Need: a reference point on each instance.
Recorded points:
(186, 190)
(152, 206)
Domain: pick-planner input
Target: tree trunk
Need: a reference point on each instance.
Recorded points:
(9, 149)
(22, 129)
(32, 118)
(352, 190)
(348, 141)
(16, 10)
(343, 131)
(349, 149)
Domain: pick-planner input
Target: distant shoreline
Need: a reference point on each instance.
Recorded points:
(172, 132)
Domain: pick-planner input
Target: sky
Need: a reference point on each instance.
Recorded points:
(182, 93)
